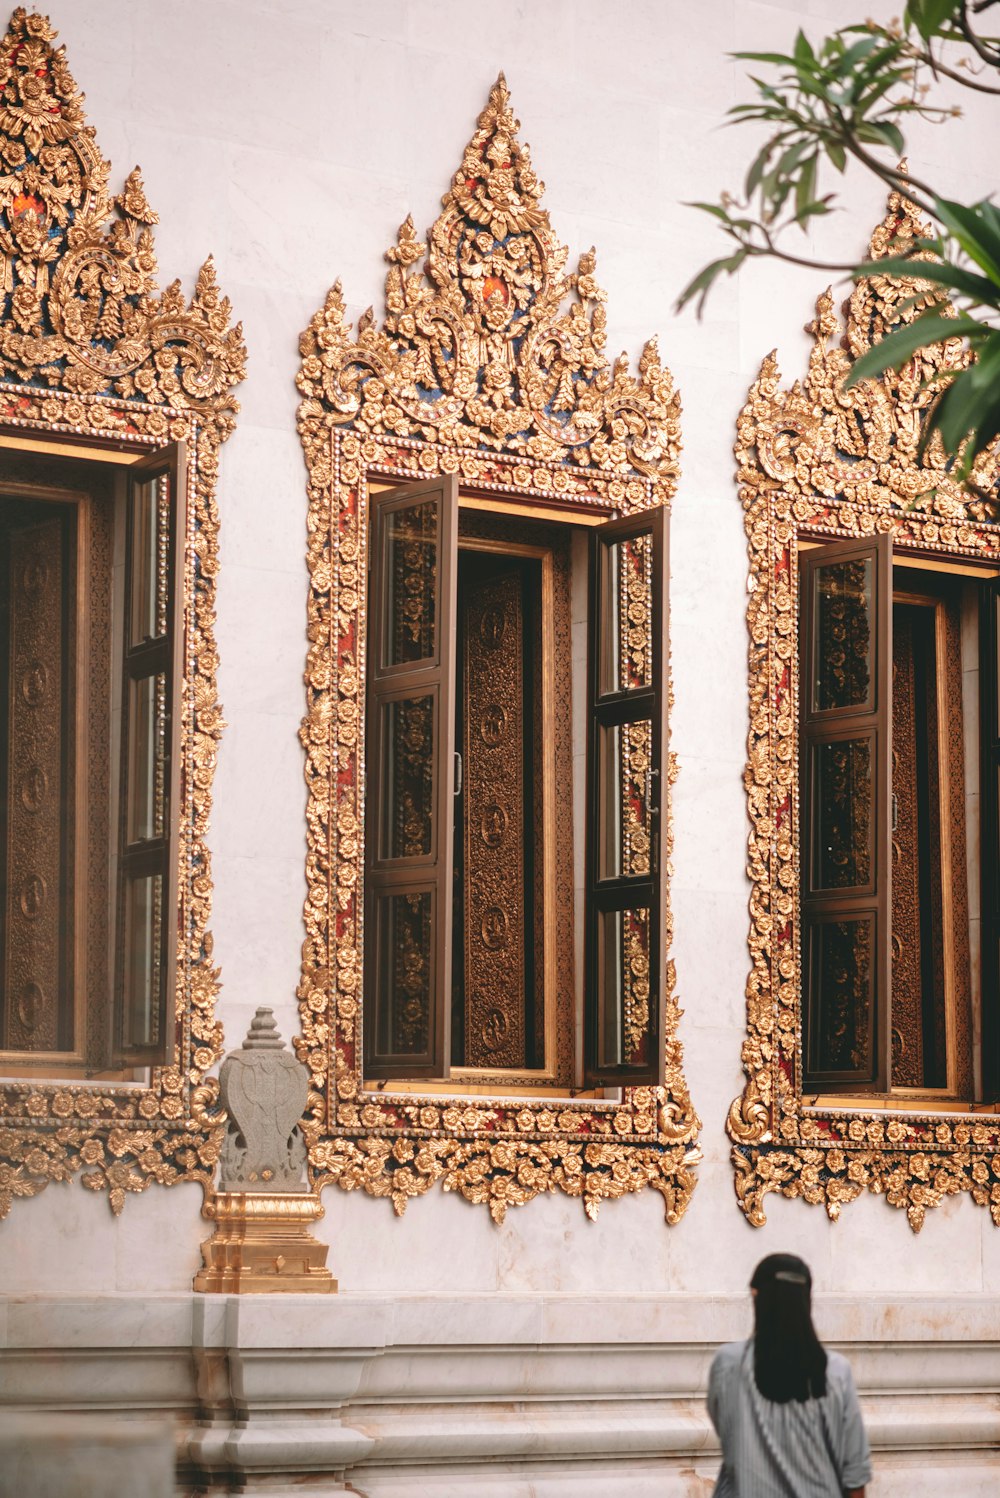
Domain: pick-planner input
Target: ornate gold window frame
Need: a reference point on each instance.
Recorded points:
(96, 362)
(820, 460)
(541, 424)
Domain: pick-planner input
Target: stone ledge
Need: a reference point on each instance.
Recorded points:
(491, 1396)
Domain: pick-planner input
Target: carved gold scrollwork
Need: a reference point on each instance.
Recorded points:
(491, 364)
(88, 344)
(841, 463)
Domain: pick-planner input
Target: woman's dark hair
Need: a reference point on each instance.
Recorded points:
(789, 1360)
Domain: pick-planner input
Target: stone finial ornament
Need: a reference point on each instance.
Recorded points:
(264, 1206)
(263, 1089)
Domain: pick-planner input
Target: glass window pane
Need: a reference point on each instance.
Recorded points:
(402, 953)
(150, 559)
(147, 783)
(144, 960)
(406, 782)
(623, 942)
(626, 654)
(840, 959)
(843, 636)
(842, 816)
(411, 562)
(625, 830)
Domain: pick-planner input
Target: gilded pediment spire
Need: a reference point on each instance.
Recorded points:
(862, 445)
(80, 306)
(487, 341)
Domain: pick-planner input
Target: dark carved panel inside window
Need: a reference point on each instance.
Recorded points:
(38, 626)
(406, 812)
(497, 1007)
(888, 982)
(402, 951)
(839, 961)
(931, 1014)
(846, 607)
(410, 568)
(843, 797)
(842, 636)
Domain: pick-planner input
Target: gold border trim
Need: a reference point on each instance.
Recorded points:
(89, 348)
(819, 460)
(525, 410)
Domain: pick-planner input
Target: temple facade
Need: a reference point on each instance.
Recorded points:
(499, 834)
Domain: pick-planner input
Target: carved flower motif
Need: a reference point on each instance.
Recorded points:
(25, 307)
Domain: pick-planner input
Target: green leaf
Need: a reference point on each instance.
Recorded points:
(882, 86)
(757, 168)
(715, 209)
(881, 133)
(929, 15)
(779, 59)
(975, 232)
(892, 351)
(803, 52)
(837, 154)
(848, 64)
(970, 403)
(804, 189)
(990, 215)
(942, 272)
(703, 281)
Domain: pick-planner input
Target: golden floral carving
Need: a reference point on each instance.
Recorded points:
(842, 463)
(90, 346)
(490, 365)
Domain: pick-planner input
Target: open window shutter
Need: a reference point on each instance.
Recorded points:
(410, 778)
(989, 676)
(149, 786)
(846, 813)
(626, 933)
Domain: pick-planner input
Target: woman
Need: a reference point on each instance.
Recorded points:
(785, 1409)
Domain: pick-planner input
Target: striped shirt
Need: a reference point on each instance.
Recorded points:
(814, 1449)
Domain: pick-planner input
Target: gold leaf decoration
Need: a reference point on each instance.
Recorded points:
(490, 364)
(820, 459)
(89, 345)
(478, 349)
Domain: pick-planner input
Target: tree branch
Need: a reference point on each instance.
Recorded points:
(991, 56)
(941, 70)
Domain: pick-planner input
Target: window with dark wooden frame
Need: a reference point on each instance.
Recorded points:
(625, 911)
(149, 824)
(410, 779)
(846, 748)
(460, 792)
(89, 804)
(989, 627)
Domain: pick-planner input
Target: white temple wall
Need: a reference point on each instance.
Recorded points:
(290, 141)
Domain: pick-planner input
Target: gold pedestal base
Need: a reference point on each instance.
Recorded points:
(262, 1245)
